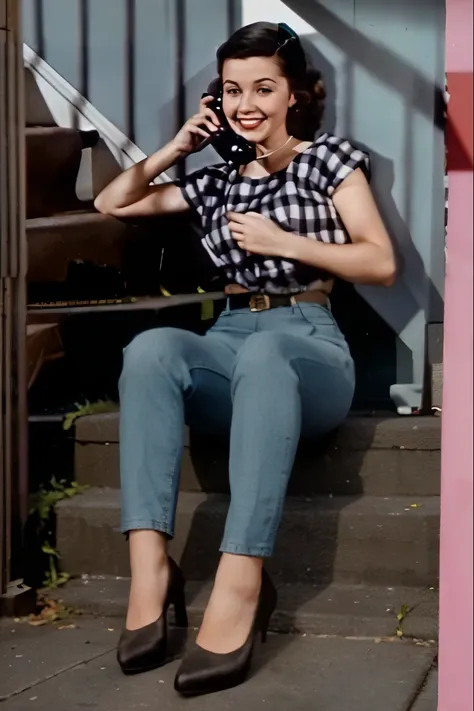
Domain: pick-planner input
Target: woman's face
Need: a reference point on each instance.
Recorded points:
(256, 98)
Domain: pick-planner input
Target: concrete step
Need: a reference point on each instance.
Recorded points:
(54, 242)
(53, 157)
(351, 540)
(376, 456)
(342, 610)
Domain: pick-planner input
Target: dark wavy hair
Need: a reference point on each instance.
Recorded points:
(264, 39)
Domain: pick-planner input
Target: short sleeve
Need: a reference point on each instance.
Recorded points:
(337, 158)
(193, 188)
(201, 189)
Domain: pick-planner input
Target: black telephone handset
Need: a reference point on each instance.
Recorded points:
(235, 150)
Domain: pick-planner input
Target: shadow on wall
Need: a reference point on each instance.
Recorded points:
(372, 341)
(415, 299)
(391, 69)
(427, 99)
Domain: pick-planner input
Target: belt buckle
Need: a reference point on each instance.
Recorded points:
(259, 302)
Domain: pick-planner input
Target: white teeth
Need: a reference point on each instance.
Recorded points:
(248, 123)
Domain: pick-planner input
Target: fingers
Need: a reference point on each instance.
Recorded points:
(205, 101)
(245, 217)
(212, 115)
(245, 247)
(241, 240)
(201, 120)
(205, 110)
(236, 227)
(197, 130)
(236, 217)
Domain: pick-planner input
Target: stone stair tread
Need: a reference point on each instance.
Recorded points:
(357, 432)
(335, 609)
(346, 539)
(99, 498)
(365, 456)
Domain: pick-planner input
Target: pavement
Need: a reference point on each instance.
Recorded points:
(70, 665)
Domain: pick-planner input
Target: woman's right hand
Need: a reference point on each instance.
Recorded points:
(193, 136)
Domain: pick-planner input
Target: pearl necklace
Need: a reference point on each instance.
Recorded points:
(270, 153)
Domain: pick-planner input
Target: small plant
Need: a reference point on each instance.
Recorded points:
(401, 617)
(43, 508)
(41, 526)
(89, 408)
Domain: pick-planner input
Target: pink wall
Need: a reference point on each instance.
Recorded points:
(456, 587)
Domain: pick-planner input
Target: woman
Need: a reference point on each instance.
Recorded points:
(273, 367)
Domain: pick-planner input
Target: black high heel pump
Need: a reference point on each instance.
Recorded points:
(204, 672)
(145, 649)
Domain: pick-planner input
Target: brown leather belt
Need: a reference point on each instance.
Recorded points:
(263, 302)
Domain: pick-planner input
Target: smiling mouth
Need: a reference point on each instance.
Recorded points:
(250, 124)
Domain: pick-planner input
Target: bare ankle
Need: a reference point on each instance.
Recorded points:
(233, 604)
(241, 573)
(148, 552)
(149, 565)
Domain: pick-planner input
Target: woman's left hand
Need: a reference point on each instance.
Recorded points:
(258, 234)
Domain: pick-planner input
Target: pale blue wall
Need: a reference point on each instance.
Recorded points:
(383, 62)
(155, 55)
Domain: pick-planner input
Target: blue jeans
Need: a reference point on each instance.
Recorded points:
(266, 377)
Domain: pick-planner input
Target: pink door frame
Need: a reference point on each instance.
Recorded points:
(456, 585)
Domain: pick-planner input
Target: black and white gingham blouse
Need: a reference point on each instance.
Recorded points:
(298, 198)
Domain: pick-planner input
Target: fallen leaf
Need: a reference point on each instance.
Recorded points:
(67, 627)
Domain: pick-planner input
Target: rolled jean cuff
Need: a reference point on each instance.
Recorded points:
(263, 551)
(140, 524)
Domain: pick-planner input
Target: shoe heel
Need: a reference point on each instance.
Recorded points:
(265, 624)
(180, 612)
(267, 606)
